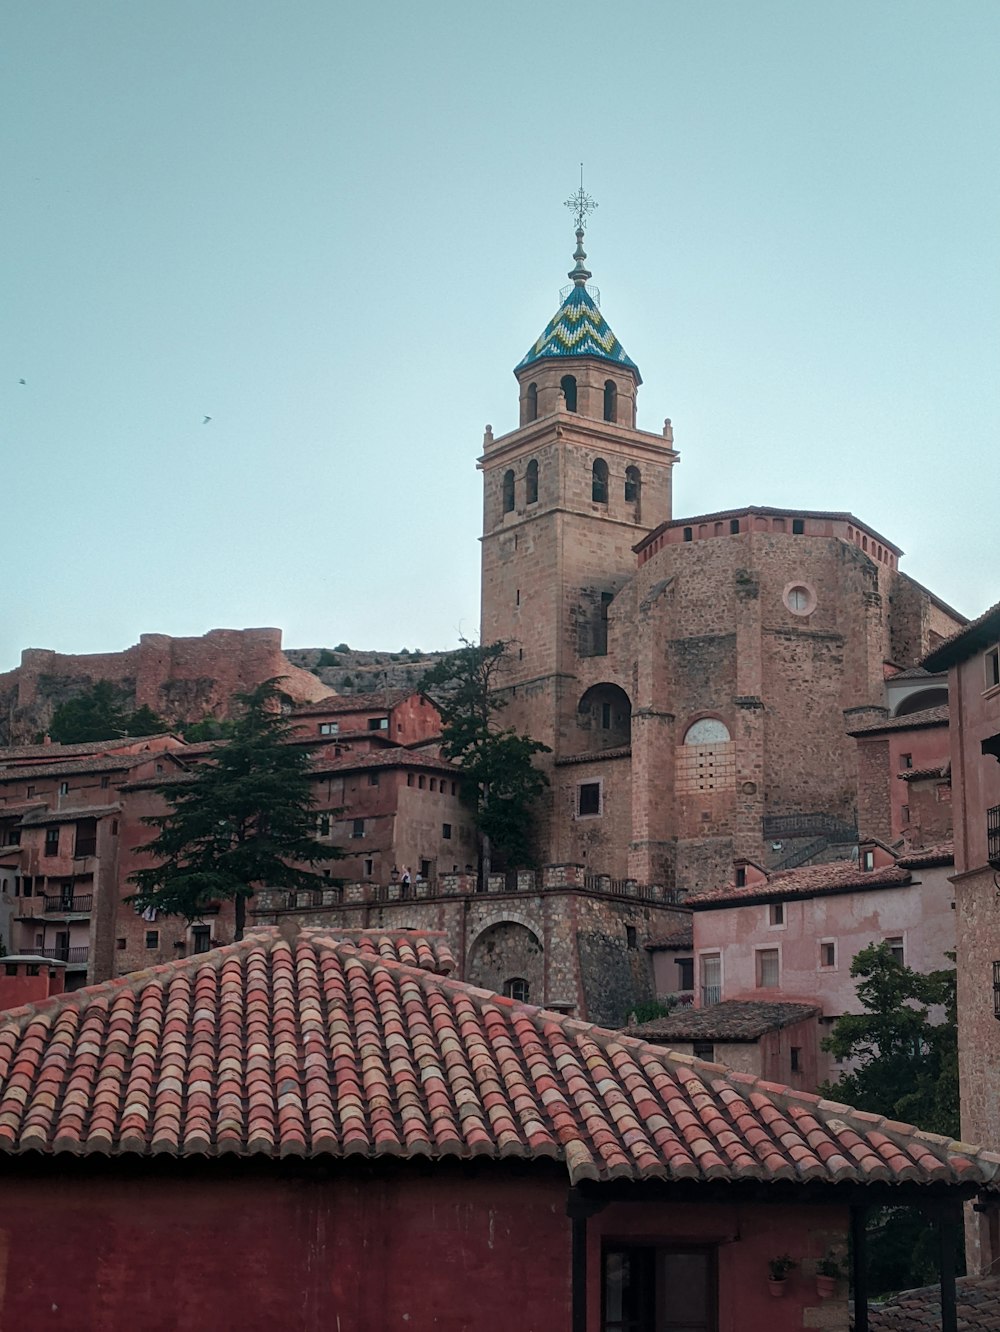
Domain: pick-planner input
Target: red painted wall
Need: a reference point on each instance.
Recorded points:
(216, 1247)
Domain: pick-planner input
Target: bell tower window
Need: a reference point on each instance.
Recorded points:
(508, 491)
(632, 484)
(531, 483)
(531, 403)
(599, 482)
(610, 401)
(568, 386)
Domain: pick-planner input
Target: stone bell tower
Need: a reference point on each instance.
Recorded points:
(567, 495)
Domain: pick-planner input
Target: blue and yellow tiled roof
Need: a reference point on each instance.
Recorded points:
(578, 329)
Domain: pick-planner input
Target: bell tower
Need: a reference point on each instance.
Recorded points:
(566, 497)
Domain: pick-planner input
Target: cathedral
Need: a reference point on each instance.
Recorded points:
(695, 678)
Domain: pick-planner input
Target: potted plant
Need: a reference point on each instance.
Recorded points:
(778, 1269)
(828, 1273)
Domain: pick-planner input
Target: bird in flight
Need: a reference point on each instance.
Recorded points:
(22, 381)
(205, 422)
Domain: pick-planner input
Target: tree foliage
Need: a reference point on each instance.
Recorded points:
(499, 781)
(208, 728)
(242, 821)
(99, 714)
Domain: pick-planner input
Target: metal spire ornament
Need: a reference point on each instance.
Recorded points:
(581, 203)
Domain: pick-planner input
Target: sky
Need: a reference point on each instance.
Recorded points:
(334, 230)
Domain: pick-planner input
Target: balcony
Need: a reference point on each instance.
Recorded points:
(993, 836)
(56, 906)
(77, 956)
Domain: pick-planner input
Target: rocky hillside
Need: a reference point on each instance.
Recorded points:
(355, 672)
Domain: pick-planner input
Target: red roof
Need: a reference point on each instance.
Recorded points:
(977, 1299)
(910, 721)
(396, 757)
(981, 632)
(313, 1047)
(924, 857)
(381, 700)
(841, 876)
(676, 939)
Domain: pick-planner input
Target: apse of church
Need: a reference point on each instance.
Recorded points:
(695, 678)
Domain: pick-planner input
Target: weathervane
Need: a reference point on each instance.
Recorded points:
(581, 204)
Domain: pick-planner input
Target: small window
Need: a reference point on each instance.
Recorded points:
(904, 813)
(152, 939)
(868, 860)
(798, 527)
(378, 723)
(51, 841)
(446, 831)
(31, 792)
(631, 937)
(776, 913)
(599, 481)
(568, 386)
(685, 973)
(373, 779)
(740, 876)
(409, 779)
(588, 798)
(114, 827)
(120, 944)
(10, 968)
(703, 1050)
(369, 866)
(906, 760)
(358, 828)
(434, 785)
(517, 989)
(64, 788)
(454, 788)
(796, 1058)
(508, 490)
(531, 403)
(531, 483)
(610, 401)
(632, 484)
(425, 869)
(323, 825)
(767, 968)
(202, 937)
(799, 600)
(828, 954)
(105, 782)
(688, 534)
(421, 782)
(734, 527)
(329, 728)
(896, 948)
(993, 668)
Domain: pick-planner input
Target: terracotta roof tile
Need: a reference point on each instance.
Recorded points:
(978, 1302)
(965, 642)
(379, 701)
(925, 857)
(911, 721)
(677, 939)
(807, 881)
(323, 1045)
(731, 1020)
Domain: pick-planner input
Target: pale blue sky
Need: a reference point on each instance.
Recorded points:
(336, 228)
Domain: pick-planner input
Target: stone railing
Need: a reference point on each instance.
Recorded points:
(551, 878)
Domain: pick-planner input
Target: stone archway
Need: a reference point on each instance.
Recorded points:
(503, 952)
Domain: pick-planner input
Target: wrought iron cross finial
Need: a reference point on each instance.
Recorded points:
(581, 204)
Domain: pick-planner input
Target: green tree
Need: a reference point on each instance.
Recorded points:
(242, 821)
(98, 713)
(208, 728)
(500, 784)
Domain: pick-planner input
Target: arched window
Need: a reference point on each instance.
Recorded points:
(568, 386)
(508, 491)
(610, 400)
(599, 482)
(632, 483)
(531, 403)
(707, 731)
(516, 988)
(605, 714)
(531, 483)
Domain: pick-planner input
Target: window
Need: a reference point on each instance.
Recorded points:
(688, 534)
(64, 788)
(632, 484)
(645, 1289)
(798, 527)
(358, 828)
(599, 482)
(85, 843)
(588, 798)
(152, 939)
(776, 913)
(421, 782)
(425, 869)
(568, 386)
(795, 1057)
(685, 973)
(202, 937)
(378, 723)
(323, 825)
(373, 779)
(797, 599)
(10, 968)
(740, 877)
(531, 483)
(409, 779)
(454, 788)
(114, 827)
(329, 728)
(446, 831)
(105, 782)
(51, 841)
(767, 968)
(904, 813)
(120, 944)
(31, 792)
(703, 1050)
(828, 953)
(906, 760)
(369, 865)
(993, 668)
(896, 948)
(711, 978)
(631, 937)
(610, 401)
(605, 716)
(531, 404)
(508, 490)
(734, 527)
(434, 785)
(516, 988)
(868, 860)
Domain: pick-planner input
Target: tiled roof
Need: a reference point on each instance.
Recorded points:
(765, 511)
(41, 815)
(676, 939)
(55, 750)
(578, 329)
(911, 673)
(978, 633)
(379, 701)
(308, 1046)
(595, 755)
(807, 881)
(909, 722)
(69, 767)
(427, 949)
(925, 857)
(732, 1020)
(396, 757)
(977, 1300)
(922, 774)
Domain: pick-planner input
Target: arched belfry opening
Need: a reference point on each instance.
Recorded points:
(599, 482)
(604, 714)
(508, 491)
(568, 386)
(633, 483)
(531, 403)
(610, 400)
(531, 482)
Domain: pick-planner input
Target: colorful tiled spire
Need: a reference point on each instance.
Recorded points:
(578, 328)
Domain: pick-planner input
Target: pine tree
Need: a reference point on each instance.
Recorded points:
(243, 820)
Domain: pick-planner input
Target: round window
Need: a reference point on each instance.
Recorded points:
(800, 599)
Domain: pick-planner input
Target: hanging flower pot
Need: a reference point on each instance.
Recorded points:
(776, 1286)
(777, 1270)
(825, 1286)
